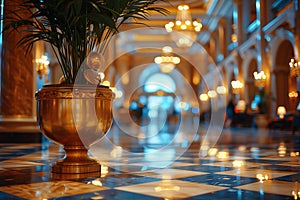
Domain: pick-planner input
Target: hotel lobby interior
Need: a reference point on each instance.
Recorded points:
(207, 108)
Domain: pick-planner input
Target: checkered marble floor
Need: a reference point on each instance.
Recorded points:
(260, 170)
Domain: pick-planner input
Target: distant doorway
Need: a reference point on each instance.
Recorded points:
(159, 89)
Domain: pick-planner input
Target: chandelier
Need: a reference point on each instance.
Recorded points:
(184, 30)
(42, 66)
(260, 79)
(167, 61)
(236, 86)
(294, 68)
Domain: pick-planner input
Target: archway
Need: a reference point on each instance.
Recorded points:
(155, 100)
(160, 81)
(281, 71)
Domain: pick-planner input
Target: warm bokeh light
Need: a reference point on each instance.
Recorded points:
(213, 152)
(212, 94)
(223, 155)
(221, 90)
(281, 149)
(294, 154)
(166, 185)
(203, 97)
(294, 67)
(293, 94)
(281, 111)
(184, 24)
(106, 83)
(262, 177)
(236, 86)
(238, 163)
(260, 79)
(42, 65)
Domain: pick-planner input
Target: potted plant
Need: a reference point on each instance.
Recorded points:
(75, 30)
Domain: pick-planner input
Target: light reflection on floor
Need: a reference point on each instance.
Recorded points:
(244, 164)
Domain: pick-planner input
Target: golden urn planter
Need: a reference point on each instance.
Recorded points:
(75, 117)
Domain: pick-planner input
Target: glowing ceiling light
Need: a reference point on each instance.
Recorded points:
(184, 31)
(167, 61)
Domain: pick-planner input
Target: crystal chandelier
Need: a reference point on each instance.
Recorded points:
(184, 30)
(42, 66)
(167, 61)
(294, 68)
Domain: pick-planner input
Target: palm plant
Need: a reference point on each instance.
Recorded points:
(75, 28)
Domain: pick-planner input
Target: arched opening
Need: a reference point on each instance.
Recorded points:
(155, 102)
(160, 81)
(283, 55)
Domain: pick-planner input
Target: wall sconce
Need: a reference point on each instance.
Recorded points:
(236, 86)
(42, 66)
(294, 67)
(260, 79)
(281, 111)
(293, 94)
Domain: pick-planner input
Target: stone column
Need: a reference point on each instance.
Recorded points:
(240, 76)
(222, 39)
(261, 42)
(17, 79)
(243, 19)
(212, 45)
(263, 63)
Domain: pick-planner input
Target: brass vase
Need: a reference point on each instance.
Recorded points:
(75, 117)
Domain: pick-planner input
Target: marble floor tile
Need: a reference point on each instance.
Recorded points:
(171, 189)
(46, 190)
(272, 187)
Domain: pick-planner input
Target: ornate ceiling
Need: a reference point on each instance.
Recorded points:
(208, 11)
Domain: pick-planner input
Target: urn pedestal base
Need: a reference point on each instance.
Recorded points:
(76, 164)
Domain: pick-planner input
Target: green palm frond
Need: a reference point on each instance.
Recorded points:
(74, 28)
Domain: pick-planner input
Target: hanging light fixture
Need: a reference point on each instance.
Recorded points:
(167, 61)
(42, 66)
(260, 79)
(184, 31)
(236, 86)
